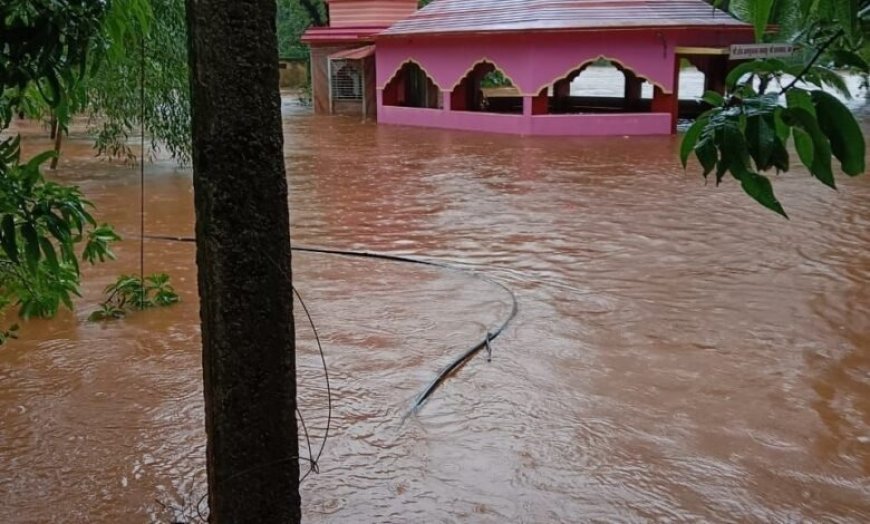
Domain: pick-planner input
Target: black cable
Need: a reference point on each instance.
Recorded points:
(462, 358)
(142, 171)
(457, 362)
(315, 460)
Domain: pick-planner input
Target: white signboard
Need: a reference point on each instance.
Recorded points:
(750, 51)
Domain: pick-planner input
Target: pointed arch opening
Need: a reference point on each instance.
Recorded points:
(486, 88)
(599, 86)
(411, 86)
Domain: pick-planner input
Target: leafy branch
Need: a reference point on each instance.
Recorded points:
(130, 292)
(747, 130)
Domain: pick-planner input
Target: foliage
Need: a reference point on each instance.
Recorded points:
(41, 224)
(131, 292)
(112, 93)
(149, 34)
(45, 52)
(495, 79)
(44, 59)
(769, 102)
(294, 17)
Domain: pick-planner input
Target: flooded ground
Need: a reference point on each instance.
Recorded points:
(680, 354)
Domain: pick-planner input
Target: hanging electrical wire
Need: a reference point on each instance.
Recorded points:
(142, 167)
(460, 359)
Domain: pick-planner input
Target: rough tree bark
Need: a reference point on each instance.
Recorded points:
(243, 255)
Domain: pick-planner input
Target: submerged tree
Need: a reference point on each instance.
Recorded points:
(243, 256)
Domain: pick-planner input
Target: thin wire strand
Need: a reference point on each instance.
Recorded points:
(305, 432)
(142, 169)
(460, 360)
(315, 462)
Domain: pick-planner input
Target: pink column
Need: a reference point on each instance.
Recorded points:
(528, 111)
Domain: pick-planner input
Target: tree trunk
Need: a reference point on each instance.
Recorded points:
(243, 255)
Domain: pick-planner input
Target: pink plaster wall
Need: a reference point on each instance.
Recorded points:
(530, 61)
(623, 124)
(545, 125)
(534, 61)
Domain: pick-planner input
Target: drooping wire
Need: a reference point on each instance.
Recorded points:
(142, 168)
(457, 362)
(312, 459)
(315, 460)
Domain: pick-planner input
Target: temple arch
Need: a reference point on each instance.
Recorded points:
(598, 85)
(486, 88)
(412, 86)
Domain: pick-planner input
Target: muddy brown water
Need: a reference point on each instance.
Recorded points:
(680, 354)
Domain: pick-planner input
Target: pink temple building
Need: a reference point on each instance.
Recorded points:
(434, 67)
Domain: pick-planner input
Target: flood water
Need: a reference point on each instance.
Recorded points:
(680, 354)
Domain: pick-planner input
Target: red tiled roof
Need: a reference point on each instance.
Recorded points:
(460, 16)
(357, 53)
(325, 35)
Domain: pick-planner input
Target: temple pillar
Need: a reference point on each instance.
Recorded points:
(528, 105)
(459, 97)
(541, 103)
(669, 102)
(666, 103)
(561, 94)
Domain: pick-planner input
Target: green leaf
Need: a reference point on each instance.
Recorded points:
(31, 246)
(10, 243)
(843, 58)
(713, 98)
(761, 140)
(50, 254)
(759, 187)
(821, 164)
(58, 228)
(35, 162)
(67, 301)
(779, 157)
(690, 139)
(841, 128)
(831, 79)
(732, 145)
(707, 155)
(759, 12)
(799, 98)
(804, 145)
(846, 13)
(783, 131)
(753, 67)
